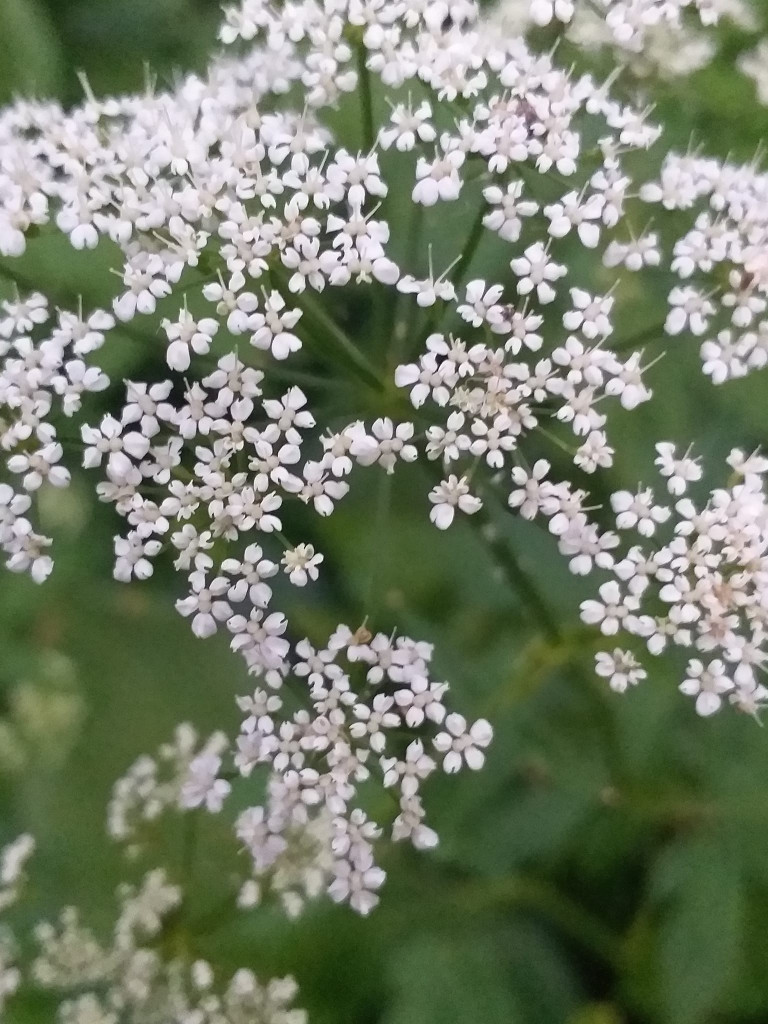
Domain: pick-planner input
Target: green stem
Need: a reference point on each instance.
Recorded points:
(378, 550)
(22, 281)
(650, 334)
(555, 440)
(402, 328)
(14, 276)
(188, 845)
(506, 560)
(366, 97)
(275, 371)
(284, 540)
(129, 332)
(317, 319)
(456, 277)
(532, 894)
(541, 657)
(551, 177)
(470, 248)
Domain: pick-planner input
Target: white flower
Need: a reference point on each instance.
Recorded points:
(751, 466)
(133, 556)
(449, 495)
(301, 564)
(591, 315)
(726, 358)
(429, 290)
(507, 219)
(147, 406)
(202, 784)
(679, 472)
(384, 445)
(409, 773)
(408, 125)
(531, 490)
(108, 439)
(145, 287)
(611, 611)
(439, 179)
(640, 252)
(571, 212)
(40, 465)
(372, 720)
(23, 315)
(290, 413)
(206, 604)
(482, 306)
(458, 743)
(543, 11)
(595, 453)
(638, 512)
(247, 187)
(536, 270)
(250, 572)
(620, 668)
(688, 308)
(273, 329)
(186, 333)
(357, 885)
(77, 379)
(316, 487)
(707, 683)
(13, 860)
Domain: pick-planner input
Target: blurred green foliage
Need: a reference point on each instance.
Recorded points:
(609, 867)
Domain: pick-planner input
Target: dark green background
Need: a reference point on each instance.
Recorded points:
(610, 865)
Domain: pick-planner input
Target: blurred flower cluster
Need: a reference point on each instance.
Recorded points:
(243, 215)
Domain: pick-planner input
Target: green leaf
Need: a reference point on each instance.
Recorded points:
(503, 975)
(598, 1013)
(450, 980)
(700, 933)
(30, 53)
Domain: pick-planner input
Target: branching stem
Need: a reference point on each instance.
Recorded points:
(506, 559)
(456, 277)
(316, 319)
(650, 334)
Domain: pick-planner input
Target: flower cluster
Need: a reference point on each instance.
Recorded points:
(646, 38)
(753, 64)
(243, 214)
(152, 785)
(362, 707)
(703, 590)
(243, 209)
(13, 860)
(369, 707)
(132, 977)
(128, 978)
(724, 243)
